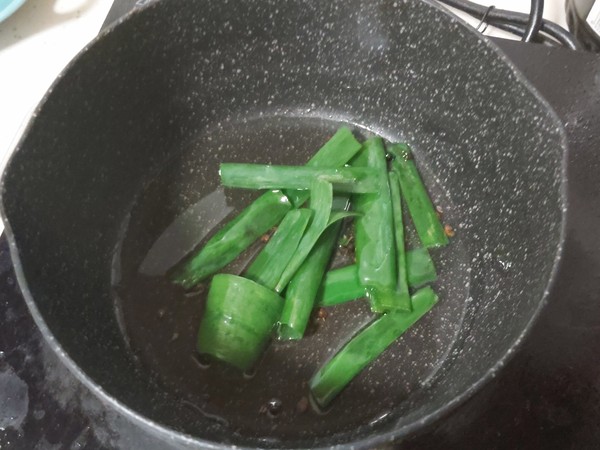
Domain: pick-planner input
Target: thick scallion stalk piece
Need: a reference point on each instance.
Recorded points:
(336, 152)
(342, 285)
(265, 176)
(301, 292)
(420, 268)
(423, 214)
(239, 318)
(375, 248)
(365, 347)
(267, 267)
(254, 221)
(403, 296)
(321, 200)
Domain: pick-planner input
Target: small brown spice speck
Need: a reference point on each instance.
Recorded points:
(262, 409)
(302, 405)
(449, 231)
(322, 314)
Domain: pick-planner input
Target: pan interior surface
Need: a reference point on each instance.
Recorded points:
(117, 177)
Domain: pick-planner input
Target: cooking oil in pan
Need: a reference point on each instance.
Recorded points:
(180, 208)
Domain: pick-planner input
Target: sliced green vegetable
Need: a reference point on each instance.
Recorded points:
(336, 152)
(339, 286)
(420, 267)
(254, 221)
(270, 263)
(301, 292)
(265, 176)
(321, 200)
(423, 214)
(260, 216)
(375, 248)
(336, 216)
(365, 347)
(342, 285)
(239, 318)
(402, 281)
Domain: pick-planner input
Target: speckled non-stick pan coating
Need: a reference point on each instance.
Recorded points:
(117, 176)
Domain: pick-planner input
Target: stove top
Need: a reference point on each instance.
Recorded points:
(547, 397)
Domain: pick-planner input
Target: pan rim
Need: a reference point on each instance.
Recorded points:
(164, 432)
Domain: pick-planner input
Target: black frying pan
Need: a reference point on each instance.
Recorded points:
(116, 178)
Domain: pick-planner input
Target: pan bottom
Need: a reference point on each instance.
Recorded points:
(160, 321)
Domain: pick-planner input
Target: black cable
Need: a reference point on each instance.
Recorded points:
(519, 30)
(513, 28)
(560, 34)
(501, 15)
(535, 20)
(484, 20)
(507, 26)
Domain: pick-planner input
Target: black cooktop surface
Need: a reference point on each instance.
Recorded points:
(547, 397)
